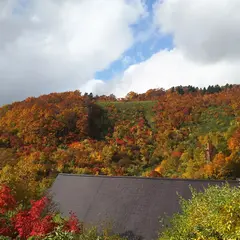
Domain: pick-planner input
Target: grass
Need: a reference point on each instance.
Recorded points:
(214, 119)
(126, 108)
(127, 105)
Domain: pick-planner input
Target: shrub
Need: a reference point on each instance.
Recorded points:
(87, 234)
(213, 214)
(36, 221)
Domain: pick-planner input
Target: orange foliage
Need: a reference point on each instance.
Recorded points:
(68, 132)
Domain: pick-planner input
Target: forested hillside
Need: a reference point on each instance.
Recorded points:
(183, 132)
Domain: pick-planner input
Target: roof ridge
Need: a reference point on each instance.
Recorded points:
(148, 178)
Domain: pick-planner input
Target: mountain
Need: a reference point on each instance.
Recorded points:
(183, 132)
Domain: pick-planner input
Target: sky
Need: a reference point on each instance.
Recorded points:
(116, 46)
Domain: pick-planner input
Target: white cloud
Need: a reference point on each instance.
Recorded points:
(54, 45)
(171, 68)
(206, 35)
(95, 86)
(206, 31)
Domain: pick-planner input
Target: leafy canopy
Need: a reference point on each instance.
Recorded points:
(209, 215)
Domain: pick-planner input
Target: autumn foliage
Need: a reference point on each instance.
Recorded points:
(33, 221)
(182, 132)
(211, 214)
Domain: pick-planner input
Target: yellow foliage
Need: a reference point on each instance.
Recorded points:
(22, 178)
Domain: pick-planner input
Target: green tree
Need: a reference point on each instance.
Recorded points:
(209, 215)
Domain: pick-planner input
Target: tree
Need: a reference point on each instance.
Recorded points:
(212, 214)
(131, 95)
(180, 90)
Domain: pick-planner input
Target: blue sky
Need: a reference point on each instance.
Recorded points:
(142, 49)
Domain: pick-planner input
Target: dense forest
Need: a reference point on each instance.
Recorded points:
(182, 132)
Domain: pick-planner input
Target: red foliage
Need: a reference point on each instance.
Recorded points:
(154, 174)
(7, 201)
(6, 229)
(176, 154)
(72, 225)
(31, 222)
(96, 170)
(27, 225)
(120, 141)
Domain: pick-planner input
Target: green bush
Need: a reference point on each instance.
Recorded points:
(60, 234)
(87, 234)
(213, 214)
(4, 238)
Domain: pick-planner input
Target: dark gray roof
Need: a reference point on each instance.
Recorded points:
(133, 205)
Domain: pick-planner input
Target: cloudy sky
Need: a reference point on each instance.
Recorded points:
(116, 46)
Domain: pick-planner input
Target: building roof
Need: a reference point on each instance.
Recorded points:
(133, 205)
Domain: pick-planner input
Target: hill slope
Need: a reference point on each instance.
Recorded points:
(191, 134)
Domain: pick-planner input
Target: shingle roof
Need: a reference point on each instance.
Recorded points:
(133, 204)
